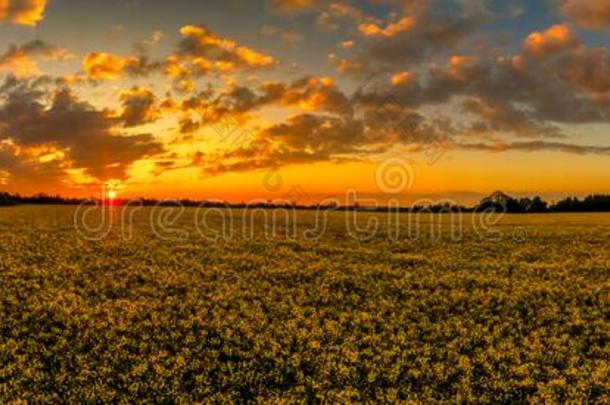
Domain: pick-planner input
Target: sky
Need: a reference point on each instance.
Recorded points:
(305, 100)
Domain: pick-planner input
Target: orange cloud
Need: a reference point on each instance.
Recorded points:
(555, 39)
(254, 59)
(24, 12)
(175, 69)
(374, 30)
(202, 52)
(105, 66)
(403, 79)
(21, 60)
(462, 68)
(347, 44)
(346, 66)
(309, 94)
(18, 63)
(237, 103)
(593, 14)
(227, 55)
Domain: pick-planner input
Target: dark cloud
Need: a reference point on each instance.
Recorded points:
(308, 93)
(309, 138)
(139, 106)
(27, 171)
(497, 116)
(592, 14)
(302, 139)
(423, 29)
(554, 80)
(518, 94)
(32, 116)
(534, 146)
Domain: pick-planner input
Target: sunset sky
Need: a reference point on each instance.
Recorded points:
(305, 99)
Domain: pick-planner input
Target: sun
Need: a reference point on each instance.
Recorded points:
(112, 195)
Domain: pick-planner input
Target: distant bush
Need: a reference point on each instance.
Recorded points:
(7, 199)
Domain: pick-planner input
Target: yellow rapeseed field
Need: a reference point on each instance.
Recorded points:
(514, 309)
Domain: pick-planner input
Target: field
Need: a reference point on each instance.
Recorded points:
(503, 309)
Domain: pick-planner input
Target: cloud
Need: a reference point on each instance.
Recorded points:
(347, 44)
(534, 146)
(555, 39)
(211, 108)
(206, 51)
(139, 106)
(339, 12)
(500, 94)
(394, 29)
(309, 94)
(519, 94)
(34, 116)
(28, 169)
(586, 68)
(106, 66)
(306, 94)
(202, 53)
(498, 116)
(155, 38)
(424, 29)
(24, 12)
(478, 9)
(348, 67)
(424, 58)
(570, 84)
(309, 138)
(304, 138)
(592, 14)
(20, 60)
(403, 79)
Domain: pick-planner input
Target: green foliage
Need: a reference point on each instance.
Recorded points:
(331, 320)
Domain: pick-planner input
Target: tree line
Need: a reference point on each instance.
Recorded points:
(496, 202)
